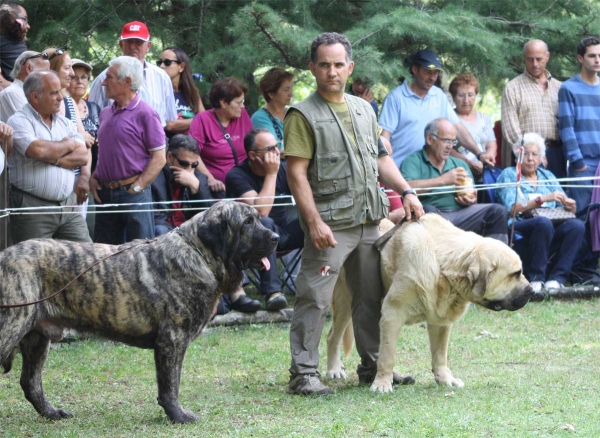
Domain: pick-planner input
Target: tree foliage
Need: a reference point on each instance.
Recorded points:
(235, 37)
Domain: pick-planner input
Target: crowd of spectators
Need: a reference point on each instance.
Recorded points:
(142, 136)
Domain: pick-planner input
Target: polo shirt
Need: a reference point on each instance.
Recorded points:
(156, 91)
(405, 115)
(125, 138)
(418, 166)
(31, 175)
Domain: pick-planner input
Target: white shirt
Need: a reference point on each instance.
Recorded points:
(156, 91)
(33, 176)
(1, 161)
(12, 99)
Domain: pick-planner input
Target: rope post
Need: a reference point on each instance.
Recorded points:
(4, 199)
(520, 153)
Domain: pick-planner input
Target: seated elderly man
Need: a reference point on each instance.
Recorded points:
(433, 170)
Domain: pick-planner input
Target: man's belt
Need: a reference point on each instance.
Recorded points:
(550, 144)
(121, 183)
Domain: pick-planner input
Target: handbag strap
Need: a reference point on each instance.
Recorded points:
(228, 138)
(275, 125)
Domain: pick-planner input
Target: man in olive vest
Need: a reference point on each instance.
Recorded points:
(335, 156)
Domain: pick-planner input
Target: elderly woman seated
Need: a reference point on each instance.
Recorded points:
(543, 239)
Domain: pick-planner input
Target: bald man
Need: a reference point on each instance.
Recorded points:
(530, 104)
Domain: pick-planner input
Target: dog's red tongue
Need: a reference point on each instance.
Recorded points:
(266, 263)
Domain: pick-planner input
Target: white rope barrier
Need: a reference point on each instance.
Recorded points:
(98, 208)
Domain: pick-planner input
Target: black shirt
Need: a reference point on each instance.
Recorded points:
(240, 179)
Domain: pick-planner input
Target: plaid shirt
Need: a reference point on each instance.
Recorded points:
(527, 108)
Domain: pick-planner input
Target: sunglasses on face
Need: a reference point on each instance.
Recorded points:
(167, 62)
(39, 55)
(186, 164)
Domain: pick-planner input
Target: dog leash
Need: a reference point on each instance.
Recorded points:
(13, 306)
(380, 243)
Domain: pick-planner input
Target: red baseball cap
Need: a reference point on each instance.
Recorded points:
(135, 29)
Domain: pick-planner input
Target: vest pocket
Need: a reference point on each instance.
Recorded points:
(336, 210)
(333, 173)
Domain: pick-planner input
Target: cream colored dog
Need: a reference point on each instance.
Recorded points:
(431, 271)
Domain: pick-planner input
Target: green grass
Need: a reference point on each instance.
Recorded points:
(539, 371)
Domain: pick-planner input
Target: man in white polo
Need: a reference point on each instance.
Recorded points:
(156, 90)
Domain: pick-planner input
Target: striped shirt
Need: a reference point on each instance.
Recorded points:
(526, 107)
(33, 176)
(156, 91)
(579, 121)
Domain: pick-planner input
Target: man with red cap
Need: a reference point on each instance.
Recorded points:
(156, 90)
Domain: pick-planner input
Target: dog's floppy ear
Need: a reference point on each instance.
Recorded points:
(478, 271)
(212, 235)
(212, 229)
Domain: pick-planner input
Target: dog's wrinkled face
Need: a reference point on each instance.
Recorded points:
(498, 280)
(234, 233)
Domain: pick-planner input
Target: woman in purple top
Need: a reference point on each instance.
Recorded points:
(220, 132)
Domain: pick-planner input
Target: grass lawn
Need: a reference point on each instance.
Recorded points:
(531, 373)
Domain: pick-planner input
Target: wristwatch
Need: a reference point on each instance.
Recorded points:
(408, 192)
(539, 201)
(137, 189)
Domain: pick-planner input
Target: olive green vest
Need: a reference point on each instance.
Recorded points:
(343, 179)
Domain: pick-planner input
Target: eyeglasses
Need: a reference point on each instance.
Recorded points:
(446, 141)
(82, 78)
(167, 62)
(39, 55)
(239, 102)
(55, 54)
(186, 164)
(267, 149)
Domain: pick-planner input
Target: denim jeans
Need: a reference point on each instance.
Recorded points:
(543, 239)
(290, 237)
(118, 228)
(583, 195)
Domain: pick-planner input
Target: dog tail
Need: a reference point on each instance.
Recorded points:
(348, 340)
(8, 363)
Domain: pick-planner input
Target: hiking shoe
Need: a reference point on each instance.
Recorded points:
(397, 379)
(308, 384)
(276, 301)
(245, 304)
(553, 284)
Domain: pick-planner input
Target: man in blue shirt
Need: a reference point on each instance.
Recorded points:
(410, 107)
(579, 119)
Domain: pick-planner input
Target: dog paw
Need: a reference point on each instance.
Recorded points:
(339, 374)
(382, 385)
(185, 416)
(450, 382)
(56, 414)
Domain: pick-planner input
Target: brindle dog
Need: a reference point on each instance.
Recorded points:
(157, 294)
